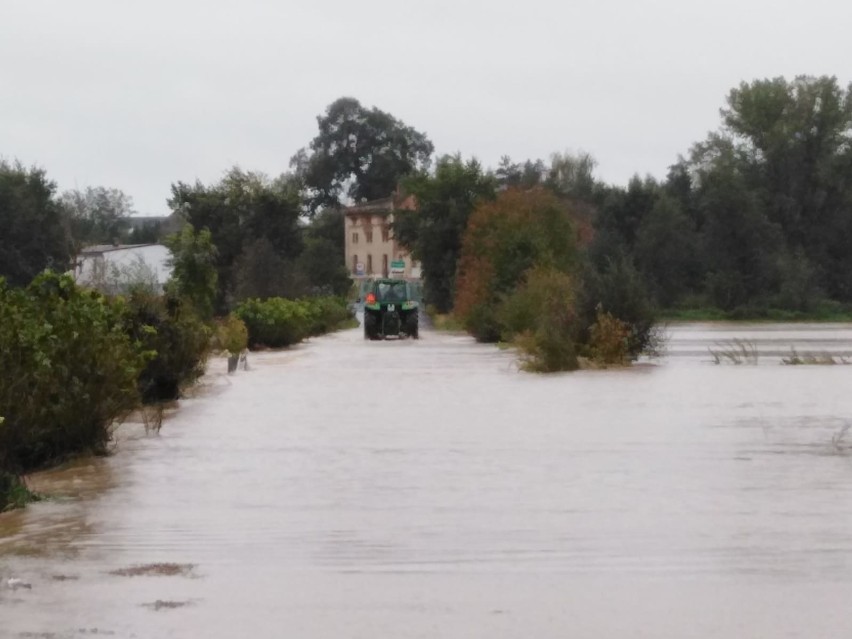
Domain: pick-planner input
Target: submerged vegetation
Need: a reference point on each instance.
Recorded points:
(737, 351)
(14, 492)
(814, 359)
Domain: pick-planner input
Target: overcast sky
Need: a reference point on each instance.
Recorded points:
(137, 95)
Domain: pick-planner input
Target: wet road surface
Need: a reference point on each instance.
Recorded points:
(429, 489)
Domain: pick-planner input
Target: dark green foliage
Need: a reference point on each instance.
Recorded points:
(758, 217)
(240, 210)
(69, 369)
(445, 201)
(321, 265)
(358, 153)
(175, 340)
(277, 322)
(261, 272)
(33, 232)
(618, 289)
(322, 272)
(540, 317)
(194, 275)
(667, 251)
(525, 176)
(13, 491)
(794, 148)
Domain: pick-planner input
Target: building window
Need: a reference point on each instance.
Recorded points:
(354, 238)
(385, 265)
(385, 234)
(369, 235)
(354, 263)
(370, 264)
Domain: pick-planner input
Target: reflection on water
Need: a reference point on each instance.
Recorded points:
(429, 489)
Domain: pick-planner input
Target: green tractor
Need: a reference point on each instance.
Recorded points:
(390, 309)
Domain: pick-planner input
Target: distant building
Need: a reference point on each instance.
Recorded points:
(112, 268)
(371, 250)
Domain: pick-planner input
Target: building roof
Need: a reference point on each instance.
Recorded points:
(99, 249)
(382, 206)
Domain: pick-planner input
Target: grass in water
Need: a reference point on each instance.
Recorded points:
(14, 493)
(444, 321)
(813, 359)
(736, 351)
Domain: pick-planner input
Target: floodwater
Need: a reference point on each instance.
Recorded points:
(430, 489)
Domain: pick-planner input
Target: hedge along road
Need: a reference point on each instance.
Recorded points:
(429, 489)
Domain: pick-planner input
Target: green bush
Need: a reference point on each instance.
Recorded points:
(540, 318)
(68, 368)
(618, 289)
(277, 322)
(13, 492)
(609, 340)
(231, 335)
(175, 340)
(326, 314)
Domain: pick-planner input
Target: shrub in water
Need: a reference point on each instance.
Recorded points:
(539, 317)
(68, 370)
(618, 289)
(232, 335)
(609, 340)
(175, 340)
(278, 322)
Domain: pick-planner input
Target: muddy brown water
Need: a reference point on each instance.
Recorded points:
(430, 489)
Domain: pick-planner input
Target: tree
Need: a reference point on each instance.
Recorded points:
(742, 246)
(358, 153)
(321, 267)
(194, 274)
(262, 272)
(320, 270)
(97, 215)
(667, 251)
(572, 175)
(793, 142)
(33, 232)
(505, 239)
(433, 233)
(241, 209)
(527, 175)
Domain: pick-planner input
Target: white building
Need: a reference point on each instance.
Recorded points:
(113, 268)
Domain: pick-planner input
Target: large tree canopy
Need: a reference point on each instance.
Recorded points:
(241, 209)
(433, 233)
(33, 233)
(758, 216)
(358, 153)
(794, 144)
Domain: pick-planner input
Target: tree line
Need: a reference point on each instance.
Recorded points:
(755, 218)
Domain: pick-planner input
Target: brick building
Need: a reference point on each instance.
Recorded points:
(371, 250)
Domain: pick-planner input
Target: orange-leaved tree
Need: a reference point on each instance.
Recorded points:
(504, 239)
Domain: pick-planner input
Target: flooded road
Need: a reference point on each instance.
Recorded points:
(429, 489)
